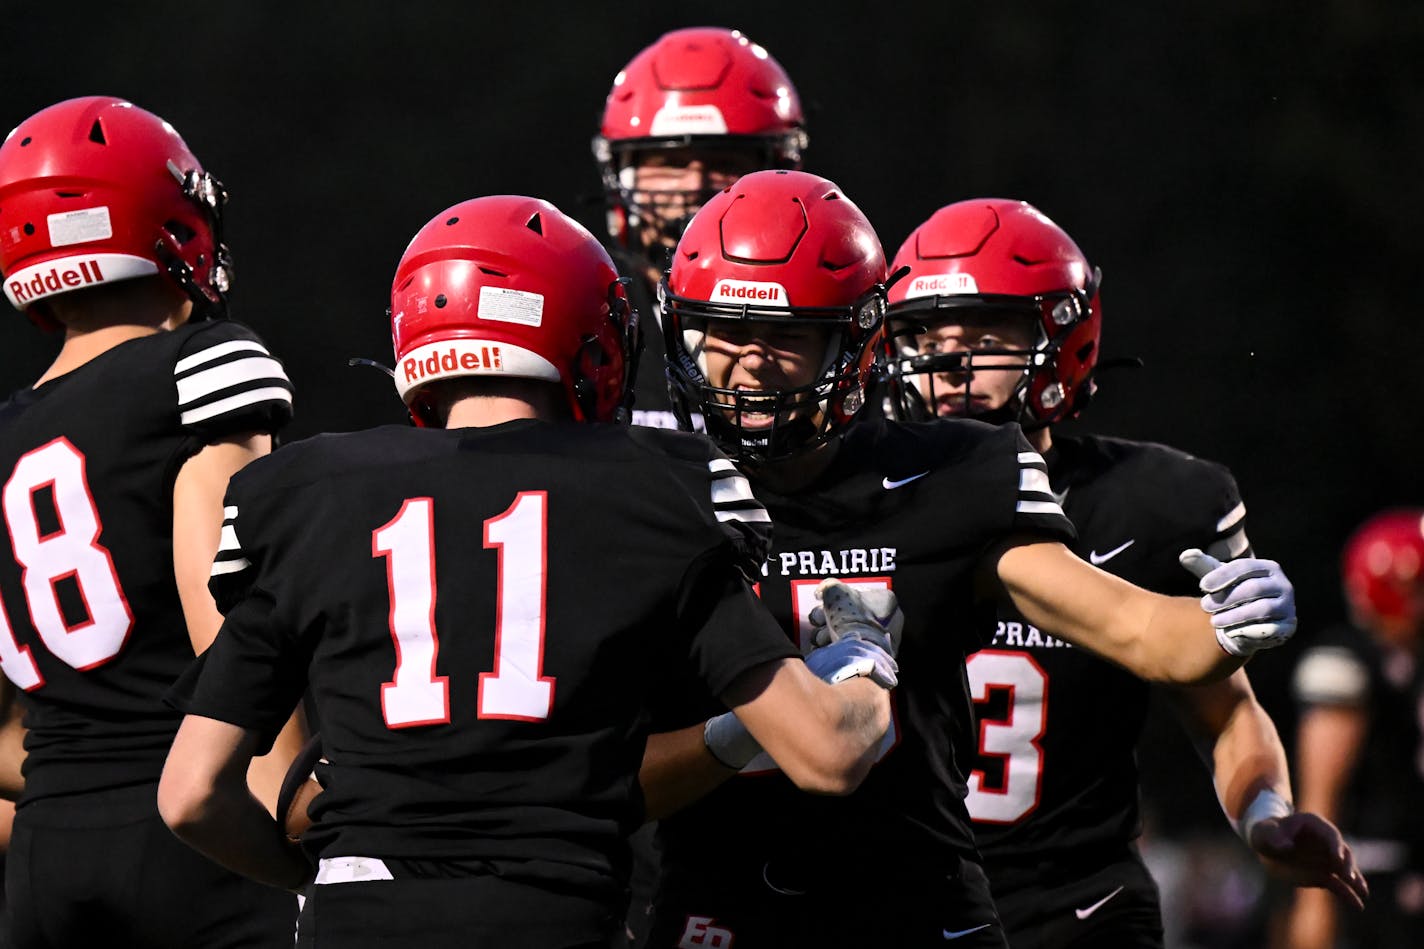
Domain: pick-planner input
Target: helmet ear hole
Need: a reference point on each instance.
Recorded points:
(181, 232)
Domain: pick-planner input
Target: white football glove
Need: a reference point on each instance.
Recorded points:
(857, 612)
(1252, 604)
(850, 657)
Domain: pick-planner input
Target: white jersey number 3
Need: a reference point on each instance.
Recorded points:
(514, 689)
(1012, 739)
(71, 552)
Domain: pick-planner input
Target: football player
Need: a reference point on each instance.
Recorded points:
(481, 606)
(998, 319)
(1360, 744)
(114, 465)
(774, 309)
(687, 116)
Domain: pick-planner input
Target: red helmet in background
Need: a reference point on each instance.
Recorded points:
(776, 246)
(703, 88)
(510, 286)
(993, 257)
(97, 190)
(1382, 567)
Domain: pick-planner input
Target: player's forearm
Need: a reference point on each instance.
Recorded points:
(678, 770)
(204, 799)
(1248, 758)
(864, 718)
(232, 828)
(1177, 643)
(265, 774)
(1157, 638)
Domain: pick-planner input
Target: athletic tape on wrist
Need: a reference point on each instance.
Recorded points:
(1267, 804)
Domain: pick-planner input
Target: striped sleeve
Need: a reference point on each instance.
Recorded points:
(232, 571)
(228, 382)
(740, 514)
(1231, 541)
(1036, 507)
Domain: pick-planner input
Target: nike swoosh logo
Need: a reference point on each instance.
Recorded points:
(965, 932)
(1085, 913)
(892, 485)
(1099, 559)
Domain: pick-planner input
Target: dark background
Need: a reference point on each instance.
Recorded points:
(1245, 173)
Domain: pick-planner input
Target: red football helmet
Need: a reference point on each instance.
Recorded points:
(776, 246)
(705, 88)
(992, 257)
(1383, 568)
(510, 286)
(95, 190)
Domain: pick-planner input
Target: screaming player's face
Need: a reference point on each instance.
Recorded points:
(991, 365)
(771, 356)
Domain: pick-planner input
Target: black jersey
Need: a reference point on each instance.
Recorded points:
(1056, 769)
(92, 629)
(912, 507)
(480, 614)
(1380, 808)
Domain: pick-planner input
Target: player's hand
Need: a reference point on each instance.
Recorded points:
(299, 789)
(1307, 850)
(850, 657)
(1252, 604)
(854, 612)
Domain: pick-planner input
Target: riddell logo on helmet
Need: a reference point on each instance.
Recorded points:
(688, 120)
(749, 291)
(483, 359)
(35, 285)
(943, 285)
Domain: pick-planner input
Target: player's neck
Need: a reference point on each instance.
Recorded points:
(792, 474)
(82, 345)
(482, 411)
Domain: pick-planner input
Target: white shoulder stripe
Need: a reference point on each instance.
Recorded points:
(1231, 546)
(217, 352)
(252, 397)
(731, 490)
(230, 512)
(229, 374)
(221, 567)
(1039, 507)
(1030, 458)
(1232, 516)
(755, 515)
(1031, 479)
(720, 464)
(1331, 675)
